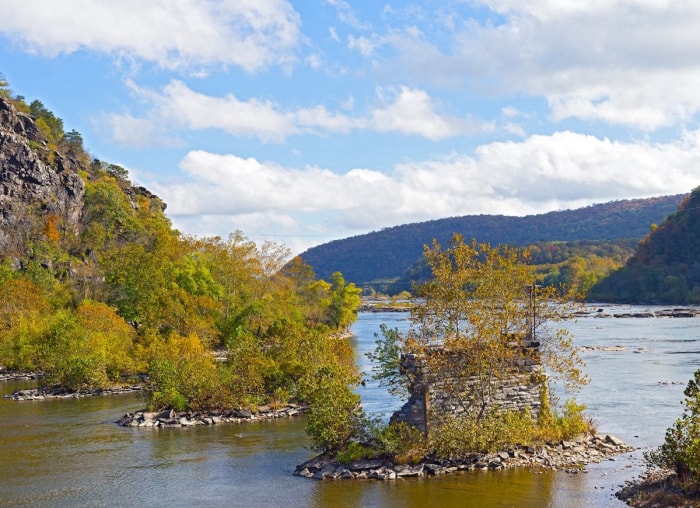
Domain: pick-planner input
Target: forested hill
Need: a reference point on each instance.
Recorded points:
(96, 285)
(387, 254)
(666, 266)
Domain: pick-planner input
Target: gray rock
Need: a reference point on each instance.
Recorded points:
(26, 179)
(613, 440)
(365, 464)
(305, 473)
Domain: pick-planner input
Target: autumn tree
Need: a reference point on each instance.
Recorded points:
(344, 302)
(23, 312)
(477, 320)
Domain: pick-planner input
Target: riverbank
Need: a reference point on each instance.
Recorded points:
(659, 488)
(7, 375)
(62, 393)
(572, 456)
(172, 418)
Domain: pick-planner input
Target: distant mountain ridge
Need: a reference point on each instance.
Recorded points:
(385, 255)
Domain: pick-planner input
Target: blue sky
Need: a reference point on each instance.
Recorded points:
(303, 122)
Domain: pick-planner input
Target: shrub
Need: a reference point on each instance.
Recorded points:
(335, 417)
(498, 430)
(405, 443)
(681, 448)
(355, 451)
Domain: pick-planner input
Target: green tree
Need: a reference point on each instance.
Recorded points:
(386, 359)
(72, 143)
(335, 416)
(49, 124)
(4, 87)
(344, 302)
(680, 451)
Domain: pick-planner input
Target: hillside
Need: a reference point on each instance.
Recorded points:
(387, 254)
(96, 286)
(666, 265)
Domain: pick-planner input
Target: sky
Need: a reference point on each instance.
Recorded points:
(306, 121)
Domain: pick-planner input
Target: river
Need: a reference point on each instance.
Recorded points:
(70, 452)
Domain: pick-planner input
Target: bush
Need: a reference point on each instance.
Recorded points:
(496, 430)
(335, 417)
(355, 451)
(681, 448)
(405, 443)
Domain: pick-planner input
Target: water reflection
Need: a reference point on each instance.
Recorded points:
(467, 489)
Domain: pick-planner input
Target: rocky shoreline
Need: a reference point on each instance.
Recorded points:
(62, 393)
(172, 418)
(6, 375)
(659, 488)
(571, 456)
(676, 312)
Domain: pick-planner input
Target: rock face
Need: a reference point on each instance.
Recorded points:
(32, 190)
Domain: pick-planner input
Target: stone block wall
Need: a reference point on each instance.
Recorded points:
(433, 394)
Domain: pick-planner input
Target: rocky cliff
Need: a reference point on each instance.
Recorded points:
(39, 187)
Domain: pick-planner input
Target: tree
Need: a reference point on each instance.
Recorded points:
(49, 124)
(23, 314)
(4, 87)
(73, 142)
(680, 451)
(344, 302)
(386, 359)
(474, 321)
(335, 415)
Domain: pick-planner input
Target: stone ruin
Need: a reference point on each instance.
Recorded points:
(444, 393)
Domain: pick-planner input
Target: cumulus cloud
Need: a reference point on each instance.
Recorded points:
(251, 34)
(412, 111)
(539, 174)
(630, 62)
(177, 107)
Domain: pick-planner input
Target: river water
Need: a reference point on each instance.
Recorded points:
(70, 452)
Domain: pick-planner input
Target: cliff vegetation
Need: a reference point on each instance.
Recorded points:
(97, 286)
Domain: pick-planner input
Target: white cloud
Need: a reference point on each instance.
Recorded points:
(126, 129)
(347, 15)
(314, 61)
(630, 62)
(539, 174)
(334, 34)
(364, 45)
(177, 107)
(412, 111)
(251, 34)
